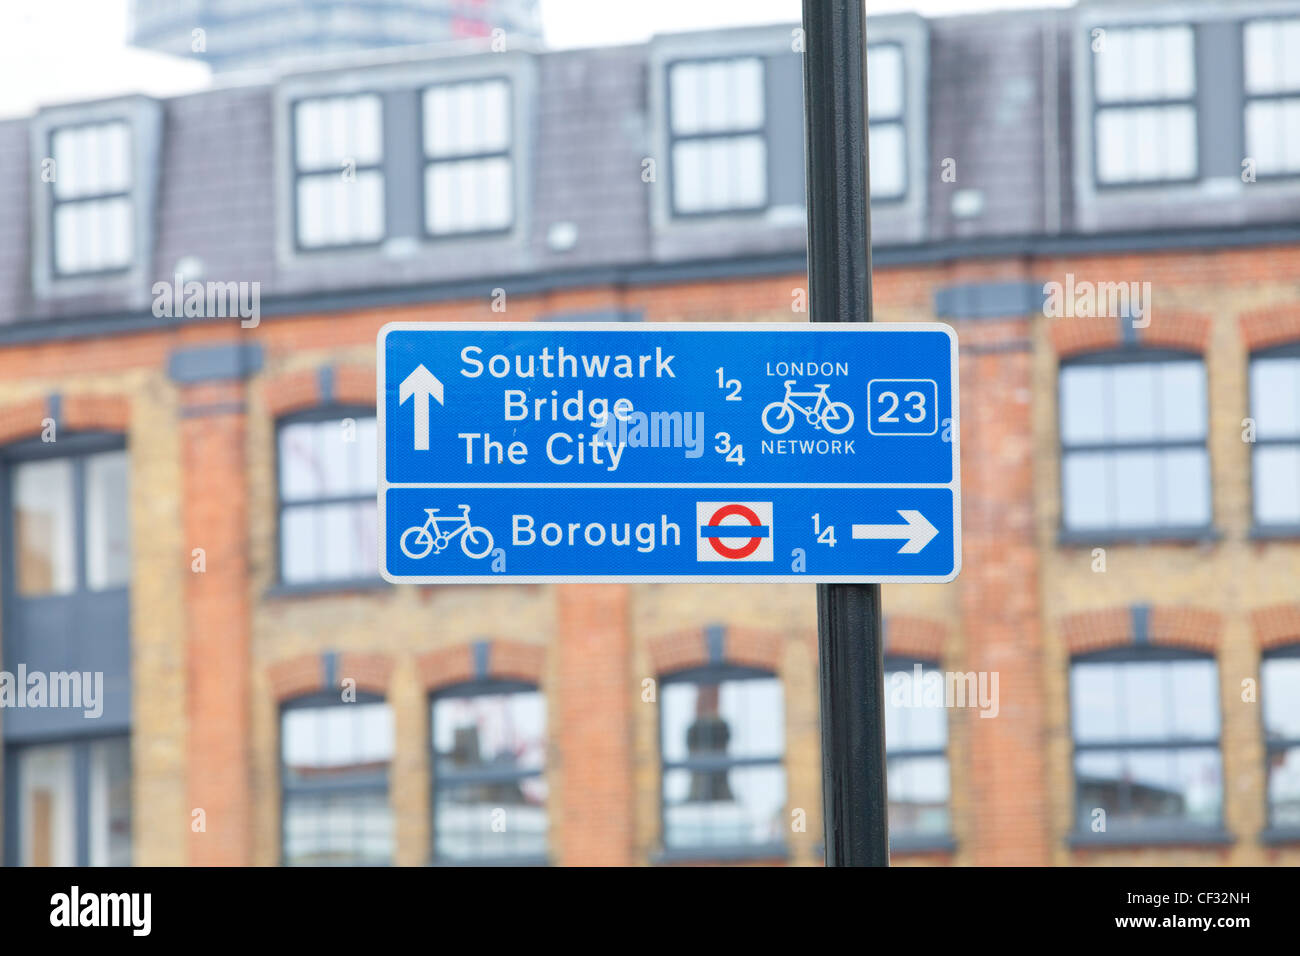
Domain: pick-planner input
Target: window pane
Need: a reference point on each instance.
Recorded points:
(1133, 401)
(737, 718)
(466, 118)
(1272, 55)
(741, 806)
(44, 557)
(888, 160)
(1284, 787)
(1280, 692)
(92, 235)
(1273, 136)
(329, 132)
(481, 821)
(1276, 482)
(1185, 494)
(1194, 696)
(1275, 397)
(490, 730)
(1145, 708)
(1085, 491)
(108, 525)
(91, 160)
(918, 795)
(335, 743)
(474, 195)
(884, 81)
(1145, 789)
(337, 829)
(1146, 144)
(1137, 489)
(717, 174)
(329, 542)
(716, 96)
(915, 713)
(1084, 403)
(333, 211)
(110, 803)
(47, 821)
(1146, 63)
(1094, 702)
(1181, 399)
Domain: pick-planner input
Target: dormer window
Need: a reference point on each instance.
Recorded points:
(1144, 81)
(1272, 57)
(716, 135)
(91, 210)
(339, 176)
(468, 166)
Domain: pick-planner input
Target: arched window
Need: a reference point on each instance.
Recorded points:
(1134, 461)
(327, 479)
(489, 773)
(916, 747)
(1146, 743)
(722, 744)
(334, 765)
(1280, 702)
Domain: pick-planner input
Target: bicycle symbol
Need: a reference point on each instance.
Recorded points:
(836, 417)
(418, 540)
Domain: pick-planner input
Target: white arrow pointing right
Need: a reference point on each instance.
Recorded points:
(420, 384)
(918, 531)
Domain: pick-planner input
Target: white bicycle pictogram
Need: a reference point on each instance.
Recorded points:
(835, 417)
(434, 536)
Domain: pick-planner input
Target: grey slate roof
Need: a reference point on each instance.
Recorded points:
(1001, 97)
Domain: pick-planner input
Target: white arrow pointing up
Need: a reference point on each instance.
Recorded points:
(420, 384)
(918, 531)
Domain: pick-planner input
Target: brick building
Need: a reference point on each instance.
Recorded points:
(188, 499)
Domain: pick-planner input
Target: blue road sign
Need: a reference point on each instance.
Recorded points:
(668, 452)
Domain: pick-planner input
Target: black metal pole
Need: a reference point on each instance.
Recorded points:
(851, 654)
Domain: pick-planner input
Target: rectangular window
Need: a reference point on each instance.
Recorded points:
(67, 790)
(1275, 408)
(716, 131)
(328, 515)
(723, 749)
(489, 756)
(1133, 450)
(1272, 61)
(1145, 110)
(916, 746)
(1280, 699)
(887, 133)
(45, 521)
(469, 169)
(334, 772)
(338, 163)
(1146, 742)
(93, 230)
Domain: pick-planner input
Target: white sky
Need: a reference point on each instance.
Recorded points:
(55, 51)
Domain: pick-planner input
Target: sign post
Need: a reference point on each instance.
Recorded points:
(531, 452)
(849, 639)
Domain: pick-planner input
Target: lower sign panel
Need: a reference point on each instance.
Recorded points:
(616, 533)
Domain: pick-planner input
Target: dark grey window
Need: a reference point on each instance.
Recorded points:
(328, 515)
(1280, 699)
(1133, 444)
(916, 745)
(489, 774)
(1144, 121)
(72, 801)
(1272, 62)
(722, 742)
(93, 223)
(338, 151)
(1146, 741)
(335, 758)
(716, 120)
(469, 169)
(1275, 408)
(886, 106)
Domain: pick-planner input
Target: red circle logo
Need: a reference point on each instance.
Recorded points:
(716, 522)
